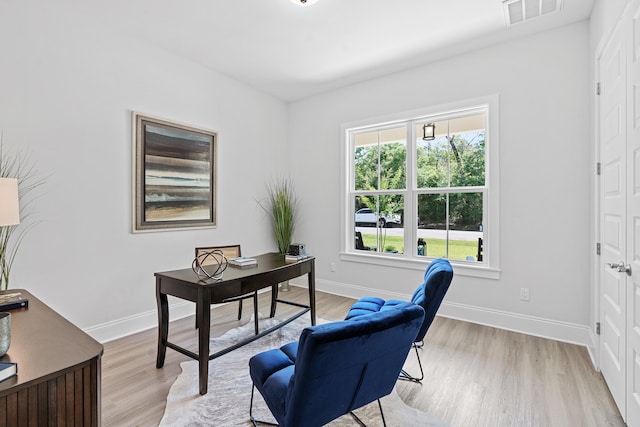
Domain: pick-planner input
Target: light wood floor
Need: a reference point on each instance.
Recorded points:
(475, 375)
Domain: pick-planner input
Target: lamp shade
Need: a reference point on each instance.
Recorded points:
(9, 202)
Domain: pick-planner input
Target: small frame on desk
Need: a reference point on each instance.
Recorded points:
(174, 175)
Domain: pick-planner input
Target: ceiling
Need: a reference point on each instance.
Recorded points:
(293, 52)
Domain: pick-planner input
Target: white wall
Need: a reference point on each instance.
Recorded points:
(542, 83)
(67, 89)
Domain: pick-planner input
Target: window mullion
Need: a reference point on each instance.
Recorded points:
(410, 205)
(447, 219)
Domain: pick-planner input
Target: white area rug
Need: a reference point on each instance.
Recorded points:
(229, 392)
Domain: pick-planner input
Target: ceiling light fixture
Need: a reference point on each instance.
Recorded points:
(304, 2)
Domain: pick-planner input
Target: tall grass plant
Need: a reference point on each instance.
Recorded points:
(282, 206)
(16, 164)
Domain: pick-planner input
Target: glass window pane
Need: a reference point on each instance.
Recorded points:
(466, 148)
(465, 226)
(432, 225)
(378, 223)
(393, 154)
(432, 158)
(380, 159)
(365, 161)
(391, 237)
(365, 239)
(366, 211)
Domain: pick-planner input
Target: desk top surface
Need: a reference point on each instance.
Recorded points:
(267, 264)
(44, 344)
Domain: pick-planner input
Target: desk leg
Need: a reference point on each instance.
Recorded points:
(204, 324)
(312, 291)
(274, 299)
(163, 324)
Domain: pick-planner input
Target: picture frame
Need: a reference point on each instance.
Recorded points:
(174, 185)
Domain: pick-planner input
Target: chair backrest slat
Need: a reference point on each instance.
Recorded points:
(229, 251)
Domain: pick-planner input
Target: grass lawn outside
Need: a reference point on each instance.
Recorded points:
(458, 249)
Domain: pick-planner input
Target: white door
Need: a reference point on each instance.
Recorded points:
(633, 216)
(619, 68)
(612, 69)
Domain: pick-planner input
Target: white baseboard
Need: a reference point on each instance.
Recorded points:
(139, 322)
(516, 322)
(592, 348)
(536, 326)
(530, 325)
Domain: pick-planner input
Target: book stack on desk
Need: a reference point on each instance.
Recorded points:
(9, 301)
(243, 261)
(7, 370)
(295, 258)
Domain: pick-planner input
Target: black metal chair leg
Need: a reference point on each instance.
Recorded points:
(408, 377)
(362, 424)
(239, 309)
(384, 422)
(357, 419)
(253, 420)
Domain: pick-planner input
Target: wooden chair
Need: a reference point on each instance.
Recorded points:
(231, 251)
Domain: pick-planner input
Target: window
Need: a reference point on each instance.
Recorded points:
(420, 187)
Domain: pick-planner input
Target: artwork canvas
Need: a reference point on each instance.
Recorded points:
(175, 175)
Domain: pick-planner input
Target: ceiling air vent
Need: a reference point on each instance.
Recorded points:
(517, 11)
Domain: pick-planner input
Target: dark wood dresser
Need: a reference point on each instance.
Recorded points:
(58, 381)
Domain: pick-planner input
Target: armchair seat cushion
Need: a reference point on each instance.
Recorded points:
(368, 305)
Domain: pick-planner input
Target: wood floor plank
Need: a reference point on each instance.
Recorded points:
(474, 375)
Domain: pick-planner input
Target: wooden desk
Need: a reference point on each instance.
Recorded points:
(185, 284)
(59, 369)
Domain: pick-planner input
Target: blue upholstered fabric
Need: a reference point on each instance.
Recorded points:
(431, 292)
(429, 295)
(336, 367)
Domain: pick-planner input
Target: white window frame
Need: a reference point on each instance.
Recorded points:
(490, 267)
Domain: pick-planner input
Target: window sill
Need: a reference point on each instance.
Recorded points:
(460, 268)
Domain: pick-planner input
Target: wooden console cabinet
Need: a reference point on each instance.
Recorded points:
(58, 381)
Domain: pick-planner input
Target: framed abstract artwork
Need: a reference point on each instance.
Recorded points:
(174, 175)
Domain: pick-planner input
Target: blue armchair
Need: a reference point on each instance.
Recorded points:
(428, 295)
(336, 367)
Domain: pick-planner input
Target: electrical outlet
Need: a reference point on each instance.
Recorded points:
(524, 294)
(332, 266)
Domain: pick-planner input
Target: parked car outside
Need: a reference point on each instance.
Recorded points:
(366, 216)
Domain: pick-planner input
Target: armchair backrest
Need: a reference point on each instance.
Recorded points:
(431, 292)
(342, 366)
